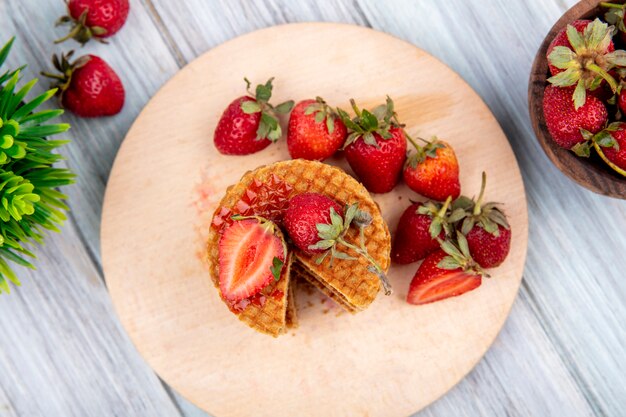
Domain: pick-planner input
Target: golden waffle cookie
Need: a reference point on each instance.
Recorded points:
(348, 281)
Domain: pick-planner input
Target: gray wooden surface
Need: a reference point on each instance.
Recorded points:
(562, 352)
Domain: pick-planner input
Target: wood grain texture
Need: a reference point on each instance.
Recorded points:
(153, 260)
(592, 173)
(562, 348)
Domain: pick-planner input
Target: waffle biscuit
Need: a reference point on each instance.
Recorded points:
(347, 281)
(299, 271)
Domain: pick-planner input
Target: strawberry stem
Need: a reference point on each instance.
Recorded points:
(355, 108)
(611, 5)
(477, 206)
(363, 252)
(441, 213)
(605, 75)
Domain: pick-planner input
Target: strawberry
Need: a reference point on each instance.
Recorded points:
(621, 101)
(303, 214)
(582, 55)
(433, 171)
(419, 227)
(448, 272)
(251, 254)
(375, 147)
(564, 122)
(250, 123)
(315, 132)
(486, 228)
(96, 19)
(88, 87)
(317, 224)
(610, 143)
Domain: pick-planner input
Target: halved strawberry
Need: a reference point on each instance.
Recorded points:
(251, 254)
(449, 272)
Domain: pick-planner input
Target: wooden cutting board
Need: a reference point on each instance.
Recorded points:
(391, 360)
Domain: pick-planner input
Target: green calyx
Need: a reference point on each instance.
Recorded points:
(459, 256)
(323, 113)
(600, 141)
(429, 150)
(269, 127)
(365, 123)
(30, 203)
(615, 15)
(471, 213)
(271, 228)
(79, 30)
(332, 236)
(63, 79)
(588, 62)
(440, 217)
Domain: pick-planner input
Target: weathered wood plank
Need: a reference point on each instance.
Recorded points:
(63, 351)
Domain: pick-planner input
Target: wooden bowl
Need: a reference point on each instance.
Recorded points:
(591, 173)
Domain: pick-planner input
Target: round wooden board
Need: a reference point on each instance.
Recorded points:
(392, 359)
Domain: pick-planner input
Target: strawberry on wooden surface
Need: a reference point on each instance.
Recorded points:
(96, 19)
(315, 223)
(448, 272)
(486, 227)
(315, 131)
(418, 231)
(88, 86)
(375, 147)
(251, 254)
(433, 170)
(250, 123)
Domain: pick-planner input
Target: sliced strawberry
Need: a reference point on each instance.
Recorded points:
(247, 252)
(448, 272)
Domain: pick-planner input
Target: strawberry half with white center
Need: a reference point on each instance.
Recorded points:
(317, 224)
(96, 19)
(252, 253)
(582, 54)
(448, 272)
(375, 147)
(433, 170)
(610, 143)
(250, 123)
(487, 230)
(315, 131)
(418, 231)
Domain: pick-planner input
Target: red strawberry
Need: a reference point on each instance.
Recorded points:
(88, 86)
(249, 124)
(304, 213)
(94, 18)
(486, 228)
(564, 121)
(583, 55)
(317, 224)
(251, 254)
(315, 132)
(376, 146)
(610, 144)
(418, 229)
(448, 272)
(621, 101)
(433, 171)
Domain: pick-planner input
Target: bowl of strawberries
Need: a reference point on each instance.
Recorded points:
(577, 96)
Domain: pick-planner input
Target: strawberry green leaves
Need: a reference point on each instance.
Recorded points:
(459, 256)
(323, 113)
(588, 62)
(602, 139)
(365, 123)
(276, 268)
(332, 236)
(269, 126)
